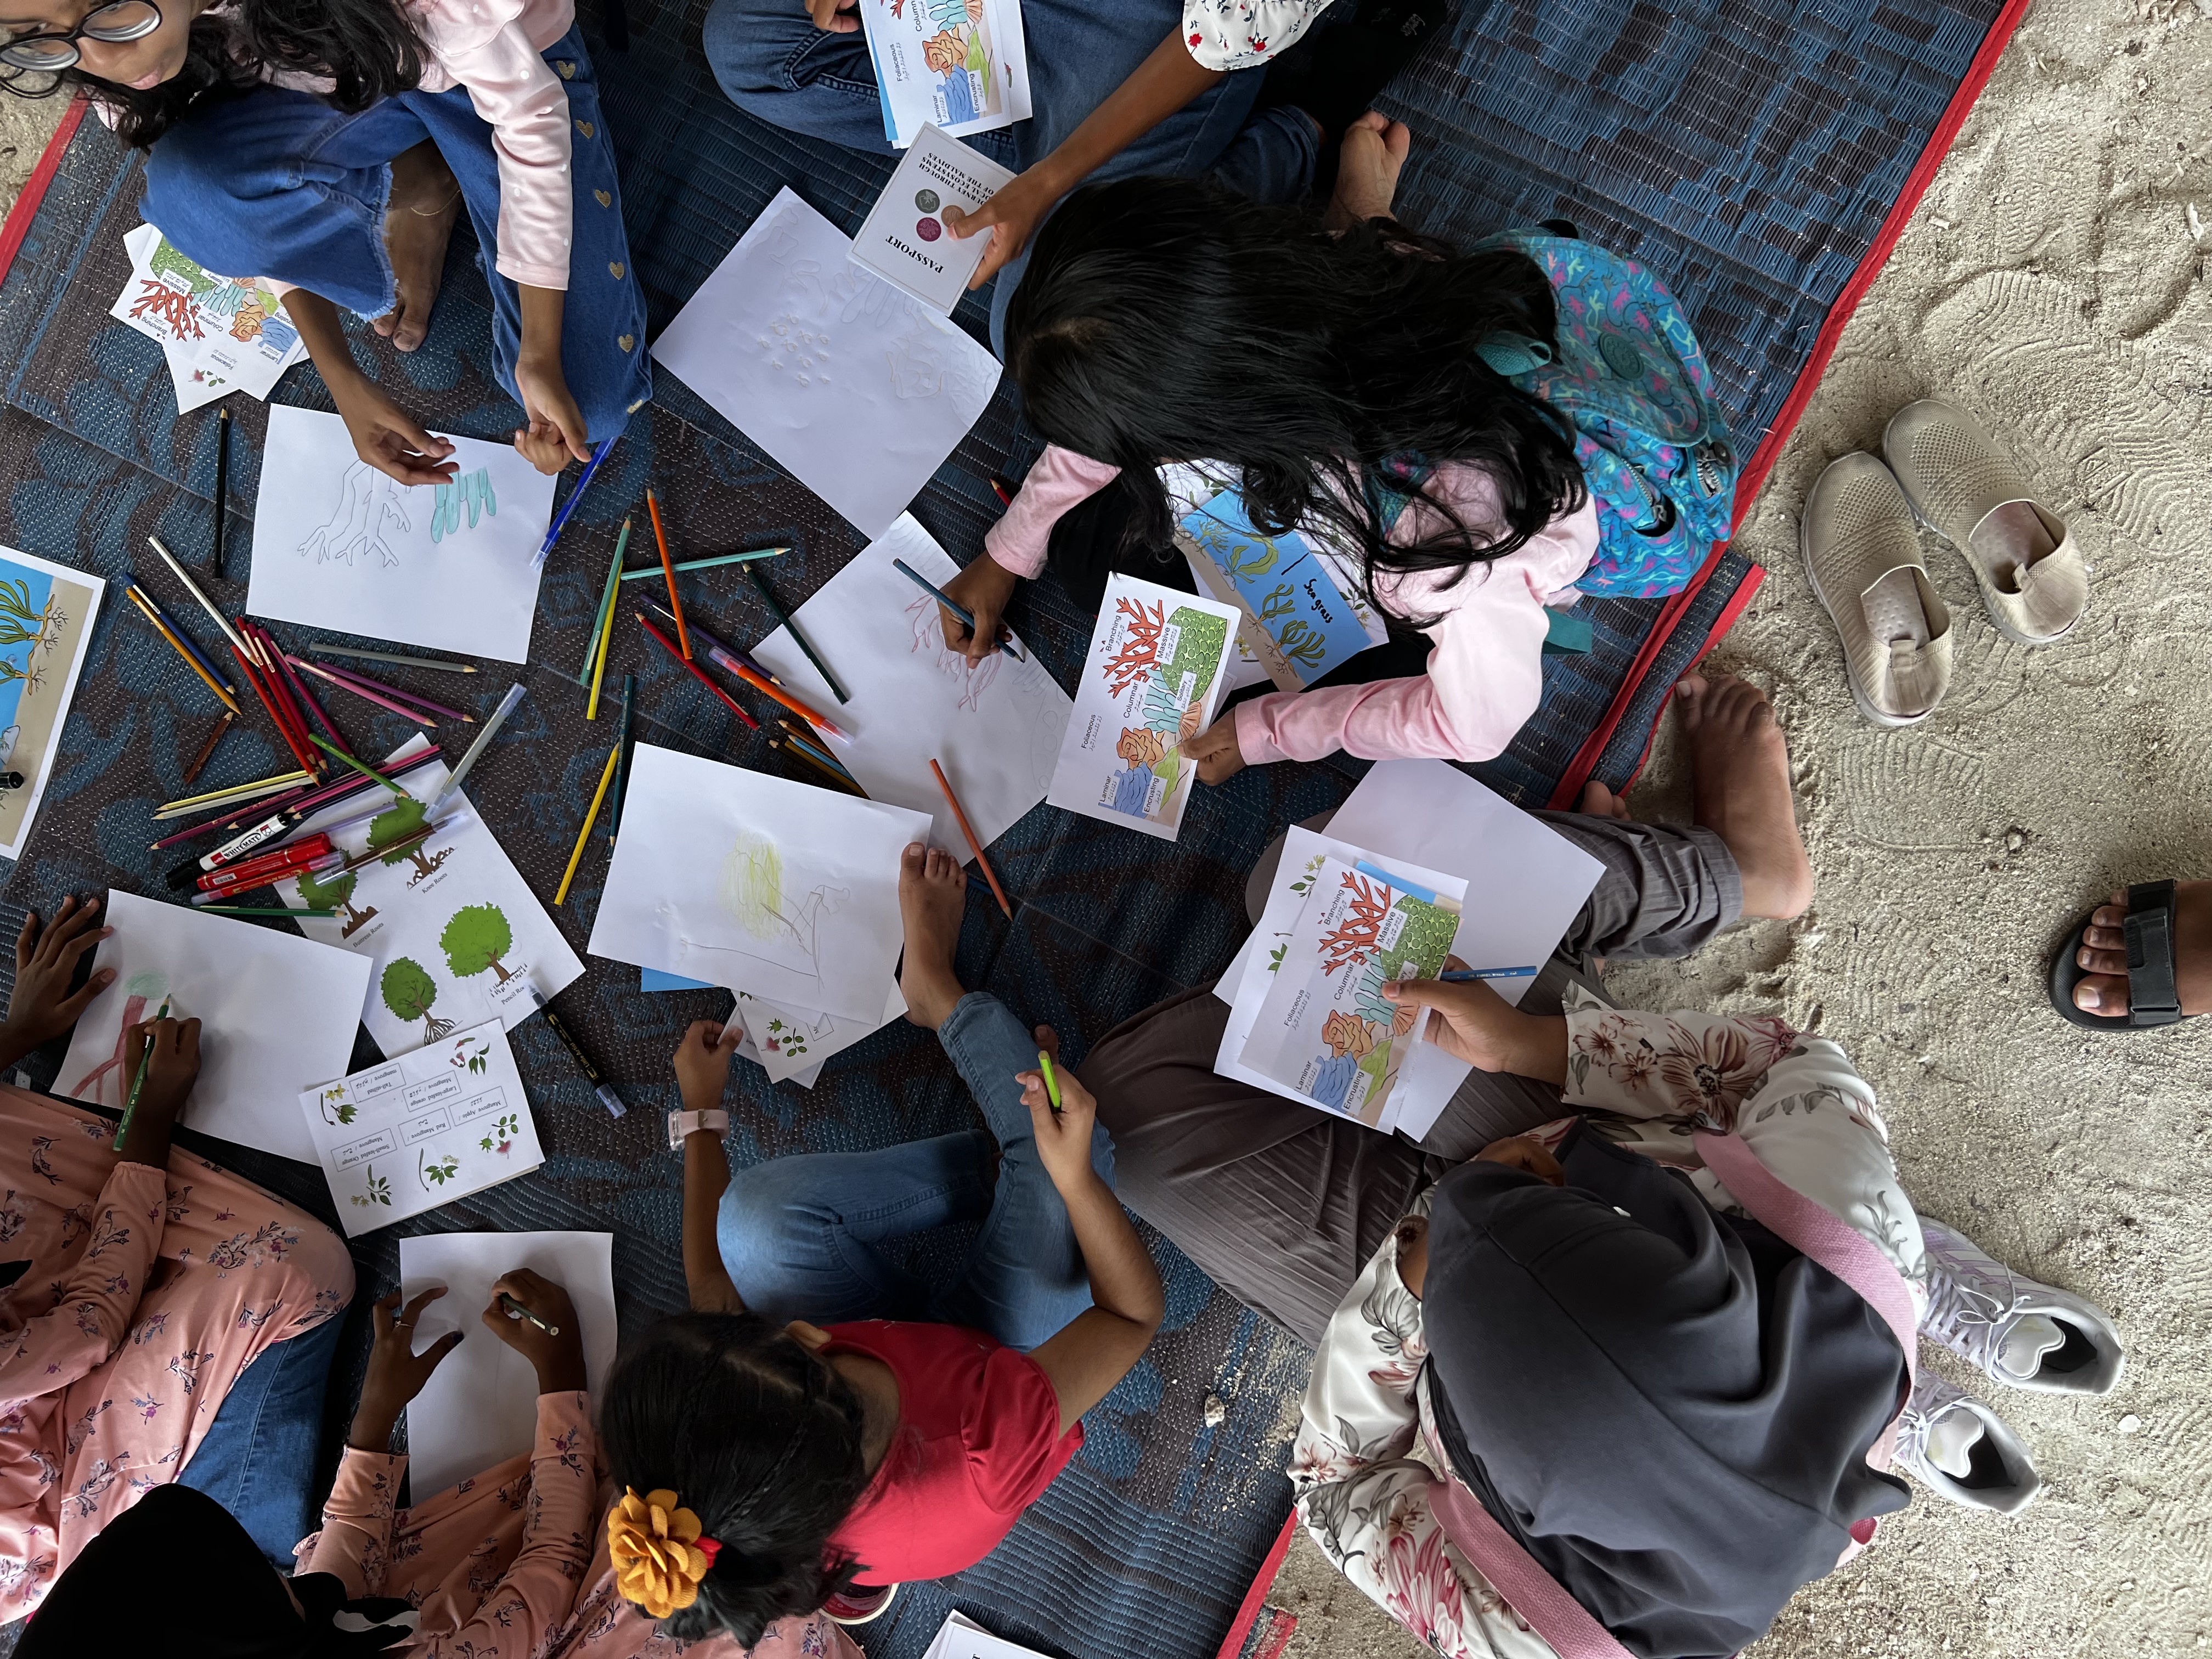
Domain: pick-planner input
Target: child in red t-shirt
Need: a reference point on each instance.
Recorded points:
(901, 1436)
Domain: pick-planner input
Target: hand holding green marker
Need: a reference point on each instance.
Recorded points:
(1051, 1083)
(137, 1083)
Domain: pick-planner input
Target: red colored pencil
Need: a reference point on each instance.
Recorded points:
(967, 829)
(697, 673)
(668, 570)
(259, 642)
(301, 695)
(261, 690)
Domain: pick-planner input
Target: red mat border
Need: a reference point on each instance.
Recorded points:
(34, 188)
(1256, 1597)
(1756, 470)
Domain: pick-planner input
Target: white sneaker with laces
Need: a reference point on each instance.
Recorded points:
(1959, 1448)
(2018, 1332)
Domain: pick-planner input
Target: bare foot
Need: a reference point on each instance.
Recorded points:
(1742, 789)
(1373, 151)
(1600, 802)
(2104, 953)
(932, 895)
(418, 223)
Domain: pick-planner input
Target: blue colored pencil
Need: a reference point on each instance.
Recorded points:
(561, 521)
(950, 604)
(1460, 975)
(183, 638)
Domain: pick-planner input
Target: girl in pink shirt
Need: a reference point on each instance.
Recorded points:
(330, 147)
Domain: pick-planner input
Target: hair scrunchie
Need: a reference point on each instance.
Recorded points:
(658, 1554)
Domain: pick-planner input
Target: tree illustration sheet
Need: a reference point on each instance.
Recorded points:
(1325, 1028)
(995, 726)
(46, 613)
(961, 64)
(751, 881)
(218, 334)
(451, 930)
(1151, 679)
(276, 1012)
(453, 567)
(856, 390)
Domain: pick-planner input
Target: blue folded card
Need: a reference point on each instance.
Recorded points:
(1288, 591)
(652, 979)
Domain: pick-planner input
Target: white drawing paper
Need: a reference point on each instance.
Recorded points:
(790, 1044)
(338, 544)
(218, 334)
(1150, 683)
(47, 612)
(995, 726)
(905, 240)
(453, 931)
(430, 1127)
(959, 64)
(278, 1013)
(752, 881)
(480, 1406)
(962, 1637)
(856, 390)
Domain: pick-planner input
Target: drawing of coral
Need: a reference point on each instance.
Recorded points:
(476, 939)
(974, 678)
(367, 501)
(171, 308)
(404, 819)
(958, 53)
(409, 991)
(336, 893)
(472, 490)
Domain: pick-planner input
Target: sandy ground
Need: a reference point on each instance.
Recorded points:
(26, 124)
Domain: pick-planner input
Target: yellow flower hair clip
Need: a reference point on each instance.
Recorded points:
(659, 1556)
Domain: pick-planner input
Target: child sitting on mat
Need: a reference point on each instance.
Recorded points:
(868, 1446)
(330, 147)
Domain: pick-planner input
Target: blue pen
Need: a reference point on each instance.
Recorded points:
(561, 521)
(1460, 975)
(949, 604)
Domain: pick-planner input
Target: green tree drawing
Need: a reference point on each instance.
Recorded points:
(409, 991)
(336, 892)
(475, 939)
(405, 817)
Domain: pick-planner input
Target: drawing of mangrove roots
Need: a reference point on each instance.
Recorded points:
(1137, 649)
(169, 306)
(1279, 602)
(1358, 935)
(752, 893)
(367, 499)
(336, 893)
(408, 992)
(21, 623)
(405, 818)
(470, 489)
(1300, 642)
(974, 678)
(475, 939)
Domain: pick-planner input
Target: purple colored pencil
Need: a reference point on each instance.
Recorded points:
(404, 696)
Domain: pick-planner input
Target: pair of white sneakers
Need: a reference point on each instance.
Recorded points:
(2015, 1331)
(1863, 558)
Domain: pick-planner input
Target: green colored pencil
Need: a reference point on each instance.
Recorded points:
(261, 909)
(775, 608)
(643, 571)
(362, 767)
(145, 1060)
(606, 603)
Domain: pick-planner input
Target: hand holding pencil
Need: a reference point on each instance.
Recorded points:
(162, 1057)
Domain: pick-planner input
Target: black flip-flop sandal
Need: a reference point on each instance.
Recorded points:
(2153, 996)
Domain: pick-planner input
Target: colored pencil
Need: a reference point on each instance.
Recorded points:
(724, 656)
(1003, 489)
(222, 482)
(366, 771)
(600, 622)
(697, 672)
(274, 913)
(584, 834)
(265, 653)
(300, 804)
(813, 717)
(281, 781)
(439, 664)
(192, 659)
(390, 704)
(622, 766)
(153, 606)
(514, 1310)
(950, 604)
(606, 629)
(1051, 1083)
(675, 604)
(561, 521)
(251, 872)
(498, 719)
(365, 686)
(137, 1083)
(810, 757)
(682, 565)
(194, 589)
(775, 608)
(254, 678)
(298, 689)
(967, 829)
(803, 738)
(1460, 975)
(221, 725)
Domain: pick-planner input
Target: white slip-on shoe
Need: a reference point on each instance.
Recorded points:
(2015, 1331)
(1959, 1448)
(1865, 565)
(1966, 489)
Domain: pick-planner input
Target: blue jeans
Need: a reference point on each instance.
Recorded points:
(258, 1457)
(774, 63)
(278, 184)
(810, 1237)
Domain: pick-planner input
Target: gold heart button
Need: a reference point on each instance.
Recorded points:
(568, 69)
(585, 128)
(606, 200)
(626, 340)
(616, 267)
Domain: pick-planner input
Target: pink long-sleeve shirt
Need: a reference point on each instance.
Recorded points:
(1484, 675)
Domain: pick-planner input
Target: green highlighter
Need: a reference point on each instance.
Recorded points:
(1051, 1083)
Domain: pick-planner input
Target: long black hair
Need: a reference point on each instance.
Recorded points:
(1173, 320)
(759, 1439)
(366, 48)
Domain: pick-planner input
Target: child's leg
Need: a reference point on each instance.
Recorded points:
(259, 1459)
(803, 1237)
(773, 62)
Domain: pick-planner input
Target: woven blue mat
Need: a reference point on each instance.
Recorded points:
(1749, 150)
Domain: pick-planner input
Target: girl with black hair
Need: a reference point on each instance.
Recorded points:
(328, 147)
(902, 1436)
(1337, 365)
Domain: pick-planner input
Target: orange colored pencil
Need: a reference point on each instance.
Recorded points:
(697, 672)
(813, 717)
(968, 830)
(668, 569)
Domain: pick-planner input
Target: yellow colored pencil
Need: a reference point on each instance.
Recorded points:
(260, 786)
(606, 623)
(598, 795)
(191, 661)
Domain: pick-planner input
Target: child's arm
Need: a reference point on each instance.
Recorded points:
(42, 1006)
(702, 1067)
(1017, 542)
(382, 436)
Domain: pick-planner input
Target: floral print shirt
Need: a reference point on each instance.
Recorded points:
(1362, 1465)
(1235, 34)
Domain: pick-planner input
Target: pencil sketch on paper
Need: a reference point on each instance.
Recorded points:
(973, 678)
(778, 927)
(369, 501)
(140, 993)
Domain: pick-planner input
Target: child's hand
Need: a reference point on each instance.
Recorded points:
(1473, 1023)
(983, 588)
(1063, 1137)
(558, 1354)
(387, 440)
(175, 1064)
(1215, 752)
(1011, 216)
(396, 1372)
(702, 1061)
(555, 433)
(46, 956)
(837, 16)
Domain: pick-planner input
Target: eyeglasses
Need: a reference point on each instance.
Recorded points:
(32, 63)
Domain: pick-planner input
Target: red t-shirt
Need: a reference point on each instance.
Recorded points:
(978, 1441)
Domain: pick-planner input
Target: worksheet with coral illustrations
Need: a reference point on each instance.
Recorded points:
(1151, 681)
(219, 335)
(448, 1120)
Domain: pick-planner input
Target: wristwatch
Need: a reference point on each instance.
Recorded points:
(681, 1124)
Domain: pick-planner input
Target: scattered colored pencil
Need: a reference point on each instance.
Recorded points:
(950, 604)
(437, 663)
(222, 482)
(561, 521)
(682, 565)
(377, 691)
(622, 766)
(272, 913)
(968, 830)
(265, 820)
(584, 834)
(389, 704)
(185, 639)
(191, 658)
(697, 672)
(306, 699)
(812, 757)
(604, 619)
(606, 629)
(775, 608)
(265, 653)
(207, 749)
(137, 1083)
(366, 770)
(194, 589)
(724, 656)
(254, 679)
(263, 785)
(675, 604)
(498, 719)
(804, 737)
(812, 716)
(1051, 1083)
(1460, 975)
